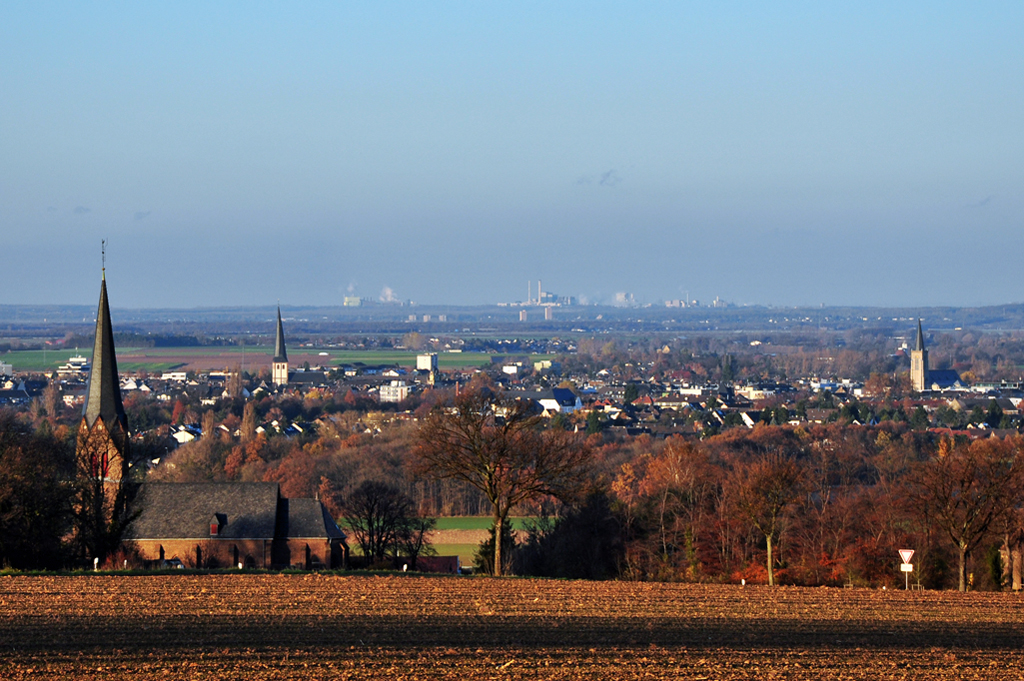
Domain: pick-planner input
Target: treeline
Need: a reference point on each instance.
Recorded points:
(827, 506)
(127, 339)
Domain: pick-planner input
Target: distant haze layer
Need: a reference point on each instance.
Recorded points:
(791, 154)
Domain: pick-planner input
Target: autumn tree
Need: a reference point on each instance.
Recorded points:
(497, 444)
(178, 415)
(665, 497)
(966, 488)
(765, 489)
(248, 421)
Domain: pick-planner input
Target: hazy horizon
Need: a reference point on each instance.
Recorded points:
(237, 155)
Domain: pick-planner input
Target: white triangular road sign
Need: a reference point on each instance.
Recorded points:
(906, 554)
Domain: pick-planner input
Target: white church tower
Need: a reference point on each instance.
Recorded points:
(919, 362)
(279, 367)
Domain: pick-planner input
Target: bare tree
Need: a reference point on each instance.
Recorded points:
(234, 382)
(379, 516)
(496, 443)
(52, 400)
(965, 489)
(209, 425)
(414, 539)
(764, 490)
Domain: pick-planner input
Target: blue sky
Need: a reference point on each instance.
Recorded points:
(237, 154)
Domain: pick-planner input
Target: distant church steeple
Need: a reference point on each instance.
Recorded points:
(103, 436)
(279, 365)
(919, 362)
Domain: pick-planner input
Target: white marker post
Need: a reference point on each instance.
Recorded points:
(906, 568)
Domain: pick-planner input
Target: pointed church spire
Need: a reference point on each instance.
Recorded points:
(280, 354)
(920, 337)
(279, 365)
(103, 397)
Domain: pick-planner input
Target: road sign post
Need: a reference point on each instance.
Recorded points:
(906, 567)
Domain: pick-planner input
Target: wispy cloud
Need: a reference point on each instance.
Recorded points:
(142, 214)
(981, 204)
(82, 210)
(608, 178)
(387, 295)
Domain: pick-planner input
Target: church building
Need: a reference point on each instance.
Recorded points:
(279, 365)
(922, 377)
(102, 450)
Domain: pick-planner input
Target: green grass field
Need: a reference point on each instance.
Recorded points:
(163, 359)
(128, 359)
(38, 360)
(463, 551)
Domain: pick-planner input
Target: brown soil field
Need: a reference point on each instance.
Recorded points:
(467, 536)
(410, 627)
(212, 360)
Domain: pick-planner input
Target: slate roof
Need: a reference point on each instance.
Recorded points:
(306, 518)
(280, 354)
(103, 398)
(920, 337)
(944, 378)
(183, 510)
(307, 377)
(564, 397)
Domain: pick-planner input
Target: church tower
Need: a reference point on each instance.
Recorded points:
(103, 438)
(279, 367)
(919, 362)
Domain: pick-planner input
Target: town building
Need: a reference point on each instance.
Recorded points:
(76, 366)
(394, 392)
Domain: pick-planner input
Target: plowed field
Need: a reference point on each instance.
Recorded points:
(319, 626)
